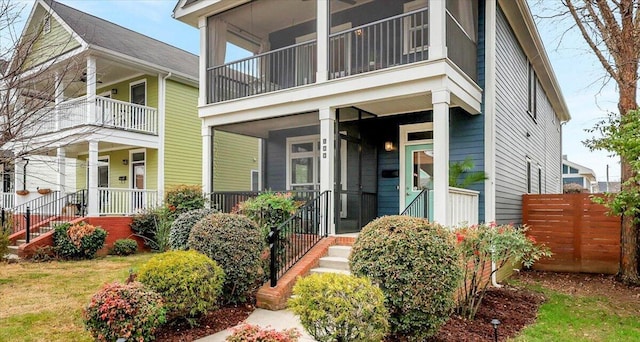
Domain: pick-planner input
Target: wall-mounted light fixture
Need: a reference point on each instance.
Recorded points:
(388, 146)
(114, 91)
(358, 32)
(122, 179)
(125, 161)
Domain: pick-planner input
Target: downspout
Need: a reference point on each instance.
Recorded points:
(24, 174)
(494, 270)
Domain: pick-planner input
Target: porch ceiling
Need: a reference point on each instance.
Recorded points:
(261, 128)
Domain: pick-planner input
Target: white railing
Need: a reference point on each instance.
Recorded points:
(109, 112)
(126, 201)
(125, 115)
(463, 207)
(7, 199)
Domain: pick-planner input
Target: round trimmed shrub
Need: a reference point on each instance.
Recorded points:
(78, 241)
(181, 227)
(124, 310)
(337, 307)
(124, 247)
(235, 243)
(189, 282)
(417, 267)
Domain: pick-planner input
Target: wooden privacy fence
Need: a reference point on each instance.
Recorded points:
(582, 237)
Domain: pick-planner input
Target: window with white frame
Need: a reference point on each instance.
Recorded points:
(255, 180)
(303, 163)
(416, 27)
(532, 93)
(529, 180)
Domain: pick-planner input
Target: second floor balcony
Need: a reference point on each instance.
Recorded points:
(365, 36)
(101, 111)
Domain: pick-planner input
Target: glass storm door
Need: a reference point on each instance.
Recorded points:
(138, 176)
(418, 172)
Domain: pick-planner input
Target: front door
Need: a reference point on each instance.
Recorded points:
(418, 172)
(138, 177)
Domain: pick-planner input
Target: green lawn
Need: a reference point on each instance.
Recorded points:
(44, 301)
(598, 316)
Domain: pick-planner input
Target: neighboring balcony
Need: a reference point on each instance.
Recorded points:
(396, 39)
(108, 113)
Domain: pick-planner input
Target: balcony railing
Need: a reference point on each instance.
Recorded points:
(397, 40)
(288, 67)
(108, 112)
(7, 199)
(126, 201)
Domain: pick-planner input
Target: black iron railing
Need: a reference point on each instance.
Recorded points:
(34, 220)
(292, 239)
(12, 215)
(419, 207)
(227, 201)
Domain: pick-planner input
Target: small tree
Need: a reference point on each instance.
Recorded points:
(462, 169)
(480, 245)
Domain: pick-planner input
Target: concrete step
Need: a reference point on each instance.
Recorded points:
(13, 250)
(328, 270)
(20, 242)
(337, 263)
(340, 251)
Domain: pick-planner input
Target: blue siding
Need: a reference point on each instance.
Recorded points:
(276, 155)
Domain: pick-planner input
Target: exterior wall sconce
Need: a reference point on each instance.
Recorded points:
(388, 146)
(122, 179)
(114, 91)
(125, 161)
(358, 32)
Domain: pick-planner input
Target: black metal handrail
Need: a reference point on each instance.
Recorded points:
(292, 239)
(17, 211)
(226, 201)
(419, 207)
(63, 209)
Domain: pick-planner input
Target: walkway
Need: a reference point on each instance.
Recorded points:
(278, 320)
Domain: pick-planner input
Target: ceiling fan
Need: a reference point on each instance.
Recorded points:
(83, 78)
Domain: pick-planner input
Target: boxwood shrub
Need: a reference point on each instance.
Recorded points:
(124, 310)
(181, 227)
(235, 243)
(416, 265)
(78, 241)
(338, 307)
(124, 247)
(189, 282)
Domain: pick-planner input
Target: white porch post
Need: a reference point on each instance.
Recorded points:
(207, 159)
(91, 89)
(441, 100)
(62, 170)
(437, 29)
(322, 40)
(162, 86)
(92, 201)
(204, 87)
(327, 160)
(59, 97)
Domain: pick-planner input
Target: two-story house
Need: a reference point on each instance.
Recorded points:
(371, 100)
(116, 123)
(574, 173)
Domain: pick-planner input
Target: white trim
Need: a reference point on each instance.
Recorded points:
(46, 24)
(131, 180)
(135, 83)
(404, 131)
(490, 112)
(315, 154)
(406, 26)
(260, 166)
(162, 108)
(123, 79)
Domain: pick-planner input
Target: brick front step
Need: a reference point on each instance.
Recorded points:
(275, 298)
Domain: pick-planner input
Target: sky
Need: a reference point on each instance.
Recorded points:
(578, 71)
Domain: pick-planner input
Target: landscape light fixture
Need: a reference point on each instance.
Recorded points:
(495, 322)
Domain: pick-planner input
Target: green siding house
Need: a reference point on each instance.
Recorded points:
(121, 125)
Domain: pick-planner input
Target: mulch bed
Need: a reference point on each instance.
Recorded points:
(515, 308)
(210, 324)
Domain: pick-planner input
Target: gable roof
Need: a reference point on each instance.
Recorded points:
(97, 32)
(582, 170)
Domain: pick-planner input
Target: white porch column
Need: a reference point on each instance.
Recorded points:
(59, 97)
(322, 40)
(62, 170)
(490, 111)
(327, 160)
(91, 89)
(437, 29)
(204, 87)
(162, 86)
(441, 100)
(207, 159)
(92, 198)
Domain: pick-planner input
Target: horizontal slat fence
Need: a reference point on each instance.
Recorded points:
(582, 237)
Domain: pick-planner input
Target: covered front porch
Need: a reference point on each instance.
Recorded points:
(372, 160)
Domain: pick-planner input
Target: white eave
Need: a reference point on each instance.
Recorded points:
(189, 14)
(521, 20)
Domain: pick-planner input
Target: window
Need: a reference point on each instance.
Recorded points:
(138, 93)
(528, 176)
(532, 90)
(46, 24)
(539, 180)
(303, 163)
(416, 33)
(255, 180)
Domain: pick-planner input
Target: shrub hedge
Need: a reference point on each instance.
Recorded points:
(181, 227)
